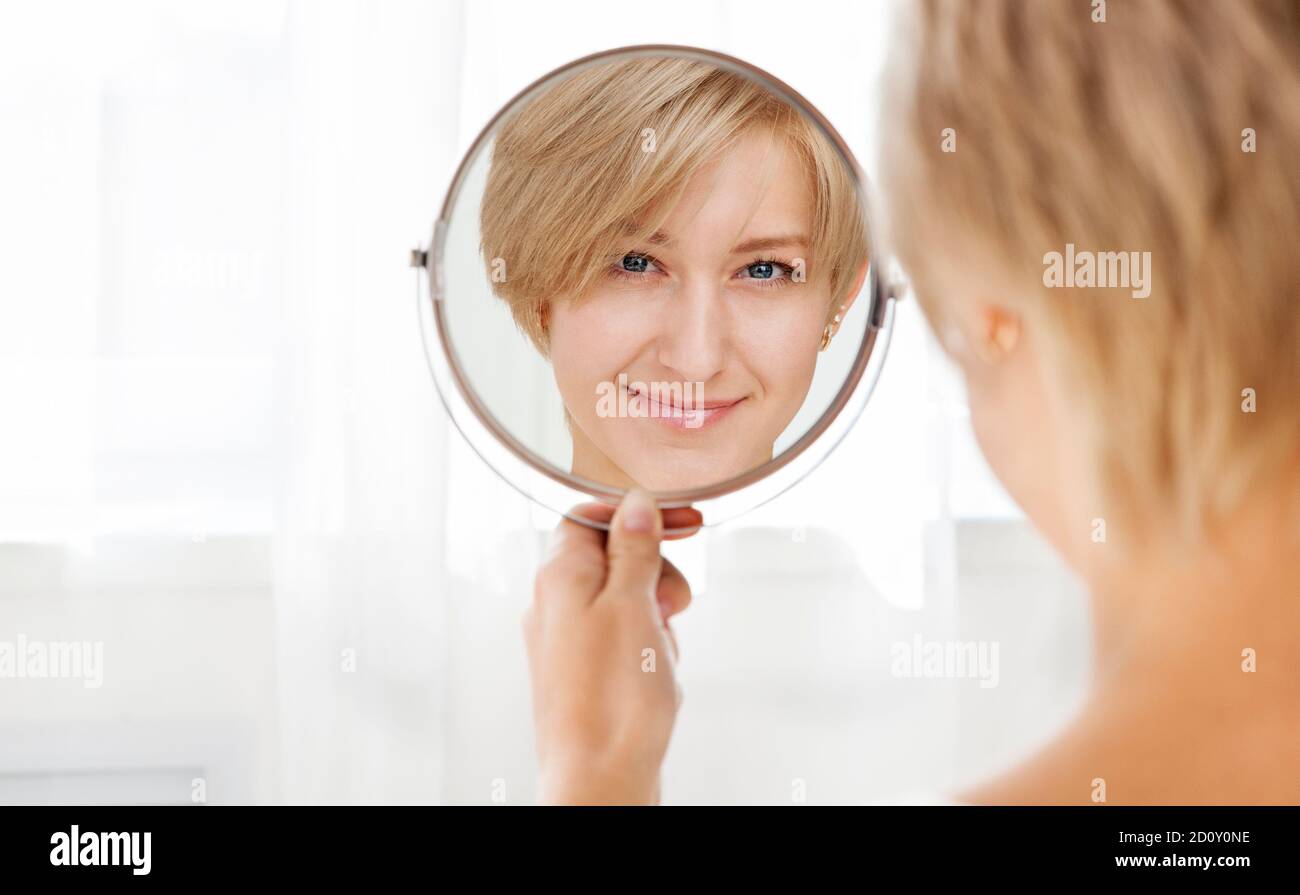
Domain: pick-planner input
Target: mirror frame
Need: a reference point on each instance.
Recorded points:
(448, 371)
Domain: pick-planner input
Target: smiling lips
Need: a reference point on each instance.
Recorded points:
(692, 418)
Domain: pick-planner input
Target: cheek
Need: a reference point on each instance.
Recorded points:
(1004, 418)
(590, 344)
(781, 349)
(992, 423)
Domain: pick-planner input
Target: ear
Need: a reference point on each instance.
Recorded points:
(998, 333)
(853, 293)
(542, 339)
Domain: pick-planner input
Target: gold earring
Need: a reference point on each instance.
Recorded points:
(829, 332)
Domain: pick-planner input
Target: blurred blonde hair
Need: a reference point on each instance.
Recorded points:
(1125, 135)
(570, 187)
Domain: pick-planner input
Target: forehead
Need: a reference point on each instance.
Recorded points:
(758, 186)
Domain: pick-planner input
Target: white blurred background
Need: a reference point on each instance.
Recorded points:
(223, 458)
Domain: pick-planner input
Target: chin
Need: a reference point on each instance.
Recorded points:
(695, 476)
(659, 482)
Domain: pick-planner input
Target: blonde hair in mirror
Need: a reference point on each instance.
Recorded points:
(596, 162)
(1171, 128)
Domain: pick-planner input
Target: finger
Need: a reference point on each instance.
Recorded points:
(573, 529)
(573, 571)
(678, 522)
(681, 522)
(600, 513)
(632, 547)
(674, 591)
(672, 644)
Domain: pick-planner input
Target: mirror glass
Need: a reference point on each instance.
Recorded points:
(654, 269)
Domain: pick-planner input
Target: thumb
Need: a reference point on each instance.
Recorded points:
(633, 548)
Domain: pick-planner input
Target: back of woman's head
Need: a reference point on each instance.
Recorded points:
(1169, 128)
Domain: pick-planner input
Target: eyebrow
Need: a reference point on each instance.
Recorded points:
(758, 244)
(763, 243)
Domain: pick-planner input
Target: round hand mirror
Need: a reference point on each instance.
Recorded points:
(654, 268)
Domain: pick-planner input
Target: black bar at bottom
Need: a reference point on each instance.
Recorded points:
(334, 845)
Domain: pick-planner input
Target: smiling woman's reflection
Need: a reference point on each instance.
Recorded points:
(680, 243)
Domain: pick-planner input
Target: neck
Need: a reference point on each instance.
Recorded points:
(1194, 609)
(1196, 698)
(1198, 661)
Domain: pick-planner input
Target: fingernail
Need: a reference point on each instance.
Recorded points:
(639, 512)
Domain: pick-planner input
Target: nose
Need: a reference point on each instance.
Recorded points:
(693, 341)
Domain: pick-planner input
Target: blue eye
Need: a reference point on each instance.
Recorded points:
(767, 273)
(636, 267)
(634, 263)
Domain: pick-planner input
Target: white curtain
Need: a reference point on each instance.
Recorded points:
(361, 649)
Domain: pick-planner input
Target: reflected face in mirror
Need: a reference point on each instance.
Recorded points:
(679, 243)
(710, 301)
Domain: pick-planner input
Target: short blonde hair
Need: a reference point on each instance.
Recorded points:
(1125, 135)
(571, 185)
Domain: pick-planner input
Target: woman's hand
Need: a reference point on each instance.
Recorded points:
(601, 654)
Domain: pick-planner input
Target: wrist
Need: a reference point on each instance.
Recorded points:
(585, 785)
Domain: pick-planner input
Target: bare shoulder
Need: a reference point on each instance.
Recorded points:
(1111, 759)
